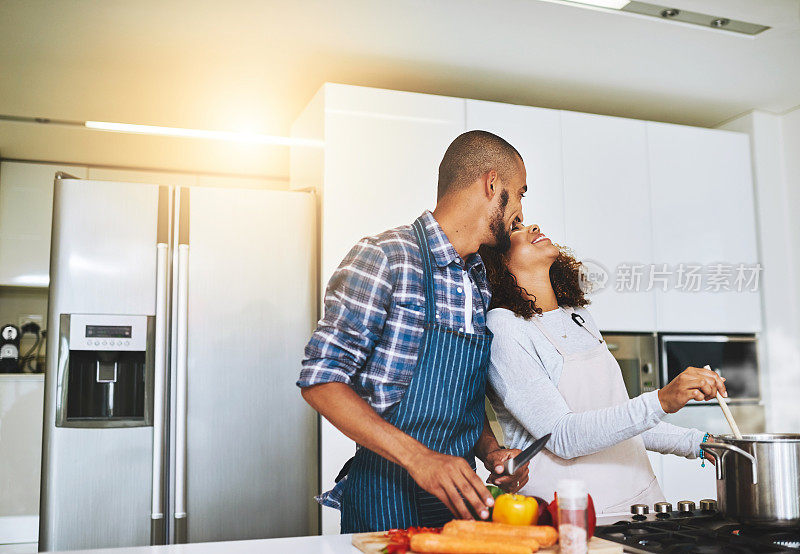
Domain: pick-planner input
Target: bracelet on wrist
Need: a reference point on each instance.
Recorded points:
(703, 452)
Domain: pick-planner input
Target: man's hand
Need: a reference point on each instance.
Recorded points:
(451, 480)
(448, 478)
(695, 383)
(494, 463)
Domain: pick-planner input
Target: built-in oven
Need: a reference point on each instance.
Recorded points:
(734, 357)
(637, 355)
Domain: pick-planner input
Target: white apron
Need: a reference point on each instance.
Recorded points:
(616, 477)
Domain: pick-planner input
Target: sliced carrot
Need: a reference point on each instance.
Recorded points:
(542, 534)
(425, 543)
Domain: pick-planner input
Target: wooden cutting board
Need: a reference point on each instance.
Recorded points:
(374, 543)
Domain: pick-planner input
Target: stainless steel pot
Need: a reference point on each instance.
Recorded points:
(758, 477)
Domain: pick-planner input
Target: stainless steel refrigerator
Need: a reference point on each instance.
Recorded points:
(178, 320)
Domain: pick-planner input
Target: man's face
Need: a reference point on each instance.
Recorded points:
(507, 212)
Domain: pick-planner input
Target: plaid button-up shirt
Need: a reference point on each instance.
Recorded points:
(371, 332)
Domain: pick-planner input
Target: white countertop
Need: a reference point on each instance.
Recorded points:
(326, 544)
(26, 377)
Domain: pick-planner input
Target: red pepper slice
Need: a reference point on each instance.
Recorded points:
(400, 539)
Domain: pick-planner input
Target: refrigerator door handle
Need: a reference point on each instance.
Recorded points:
(180, 395)
(157, 522)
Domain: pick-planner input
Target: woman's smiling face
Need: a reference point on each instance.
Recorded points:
(530, 248)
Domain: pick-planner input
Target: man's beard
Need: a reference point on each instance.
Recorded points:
(501, 234)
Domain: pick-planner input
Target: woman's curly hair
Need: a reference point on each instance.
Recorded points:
(506, 293)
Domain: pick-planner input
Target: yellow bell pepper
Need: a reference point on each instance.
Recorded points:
(515, 509)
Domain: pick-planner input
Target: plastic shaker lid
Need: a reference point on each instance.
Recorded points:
(571, 488)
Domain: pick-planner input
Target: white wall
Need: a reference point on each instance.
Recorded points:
(775, 145)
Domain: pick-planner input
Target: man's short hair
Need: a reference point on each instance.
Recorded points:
(473, 154)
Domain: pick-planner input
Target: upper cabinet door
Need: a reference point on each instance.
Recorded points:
(607, 214)
(382, 155)
(704, 229)
(26, 216)
(536, 134)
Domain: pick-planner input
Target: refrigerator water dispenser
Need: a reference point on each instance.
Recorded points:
(105, 371)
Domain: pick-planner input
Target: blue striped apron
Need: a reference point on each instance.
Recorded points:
(443, 408)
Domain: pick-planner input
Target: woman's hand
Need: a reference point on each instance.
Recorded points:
(494, 463)
(695, 383)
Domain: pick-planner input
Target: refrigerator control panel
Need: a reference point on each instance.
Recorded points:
(127, 333)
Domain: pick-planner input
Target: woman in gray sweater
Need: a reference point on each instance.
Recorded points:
(551, 372)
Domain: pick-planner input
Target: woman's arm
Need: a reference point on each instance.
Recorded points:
(524, 387)
(671, 439)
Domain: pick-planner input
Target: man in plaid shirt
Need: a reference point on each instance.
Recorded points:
(365, 352)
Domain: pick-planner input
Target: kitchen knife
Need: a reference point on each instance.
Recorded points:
(510, 466)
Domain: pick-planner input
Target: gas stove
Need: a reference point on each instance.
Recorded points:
(696, 529)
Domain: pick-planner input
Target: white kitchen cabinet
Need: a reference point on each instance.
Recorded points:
(703, 217)
(378, 169)
(684, 479)
(607, 214)
(380, 161)
(26, 207)
(21, 413)
(536, 134)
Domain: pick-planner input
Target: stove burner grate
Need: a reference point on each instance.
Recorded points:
(704, 532)
(695, 548)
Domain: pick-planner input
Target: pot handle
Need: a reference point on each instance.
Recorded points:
(715, 447)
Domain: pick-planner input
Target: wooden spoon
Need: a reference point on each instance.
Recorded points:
(727, 412)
